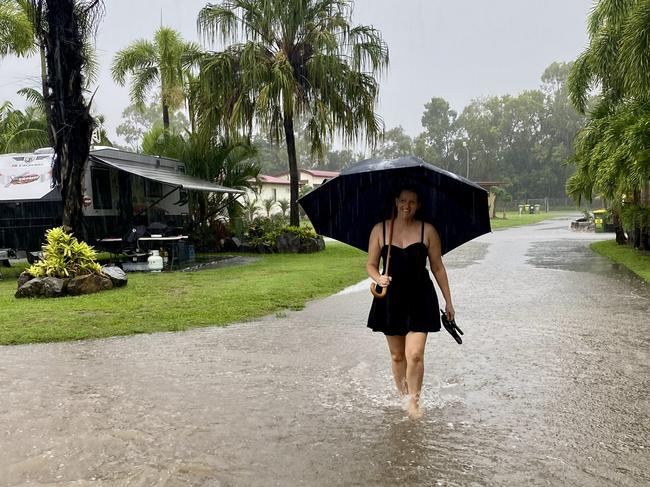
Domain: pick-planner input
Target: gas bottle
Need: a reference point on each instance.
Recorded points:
(155, 261)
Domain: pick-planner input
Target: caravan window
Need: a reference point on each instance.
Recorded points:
(101, 182)
(152, 188)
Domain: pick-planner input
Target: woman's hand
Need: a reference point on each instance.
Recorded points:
(449, 311)
(383, 281)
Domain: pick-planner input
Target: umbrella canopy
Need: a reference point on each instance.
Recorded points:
(348, 206)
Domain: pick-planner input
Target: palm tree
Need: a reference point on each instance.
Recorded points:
(250, 208)
(299, 58)
(16, 30)
(223, 162)
(62, 27)
(611, 152)
(22, 131)
(269, 203)
(19, 20)
(284, 206)
(161, 61)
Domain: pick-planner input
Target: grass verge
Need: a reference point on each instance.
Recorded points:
(630, 258)
(514, 219)
(182, 300)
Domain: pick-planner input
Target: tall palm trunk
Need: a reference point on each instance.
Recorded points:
(71, 122)
(165, 110)
(621, 239)
(46, 105)
(294, 176)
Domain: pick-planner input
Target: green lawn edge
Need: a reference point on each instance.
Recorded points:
(514, 219)
(179, 301)
(626, 256)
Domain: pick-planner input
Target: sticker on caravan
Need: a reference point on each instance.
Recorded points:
(23, 179)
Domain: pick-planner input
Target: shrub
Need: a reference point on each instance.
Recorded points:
(65, 256)
(265, 231)
(301, 232)
(208, 236)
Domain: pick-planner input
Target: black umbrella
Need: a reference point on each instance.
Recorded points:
(349, 205)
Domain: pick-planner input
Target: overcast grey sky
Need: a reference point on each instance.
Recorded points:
(455, 49)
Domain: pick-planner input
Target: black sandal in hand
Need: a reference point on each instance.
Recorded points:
(451, 327)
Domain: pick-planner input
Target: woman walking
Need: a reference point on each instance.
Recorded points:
(409, 310)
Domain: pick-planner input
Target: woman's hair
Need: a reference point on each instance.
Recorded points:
(411, 188)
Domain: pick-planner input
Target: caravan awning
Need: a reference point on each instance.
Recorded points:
(161, 174)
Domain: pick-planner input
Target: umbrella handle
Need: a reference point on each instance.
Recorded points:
(378, 294)
(374, 286)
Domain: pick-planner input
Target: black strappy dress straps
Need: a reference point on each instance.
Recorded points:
(422, 233)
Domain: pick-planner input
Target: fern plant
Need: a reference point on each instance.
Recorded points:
(65, 256)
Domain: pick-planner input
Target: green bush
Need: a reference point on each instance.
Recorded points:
(301, 232)
(265, 231)
(65, 256)
(635, 215)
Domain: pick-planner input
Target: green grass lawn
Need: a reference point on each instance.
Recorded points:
(181, 300)
(514, 219)
(630, 258)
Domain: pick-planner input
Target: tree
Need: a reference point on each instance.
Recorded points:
(136, 122)
(250, 207)
(22, 131)
(62, 28)
(611, 154)
(160, 62)
(222, 162)
(298, 58)
(284, 206)
(337, 160)
(16, 30)
(436, 143)
(20, 21)
(269, 203)
(394, 143)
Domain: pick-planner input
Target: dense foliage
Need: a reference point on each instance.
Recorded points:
(65, 256)
(264, 232)
(612, 153)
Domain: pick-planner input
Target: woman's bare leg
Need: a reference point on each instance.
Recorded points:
(396, 345)
(414, 350)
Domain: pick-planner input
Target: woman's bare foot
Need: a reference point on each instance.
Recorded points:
(413, 409)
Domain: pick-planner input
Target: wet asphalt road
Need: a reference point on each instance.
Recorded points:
(549, 388)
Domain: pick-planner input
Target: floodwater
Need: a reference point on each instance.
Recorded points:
(549, 388)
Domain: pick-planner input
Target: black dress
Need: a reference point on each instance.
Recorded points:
(411, 303)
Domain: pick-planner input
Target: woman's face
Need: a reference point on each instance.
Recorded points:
(407, 203)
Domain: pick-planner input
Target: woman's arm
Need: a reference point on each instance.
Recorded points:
(438, 268)
(374, 253)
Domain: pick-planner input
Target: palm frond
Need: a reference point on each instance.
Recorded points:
(636, 46)
(16, 30)
(141, 54)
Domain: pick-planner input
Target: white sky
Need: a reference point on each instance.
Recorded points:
(455, 49)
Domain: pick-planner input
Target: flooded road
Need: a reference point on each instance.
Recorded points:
(549, 388)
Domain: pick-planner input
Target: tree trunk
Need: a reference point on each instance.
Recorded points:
(71, 122)
(192, 115)
(294, 176)
(645, 218)
(621, 239)
(165, 116)
(47, 108)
